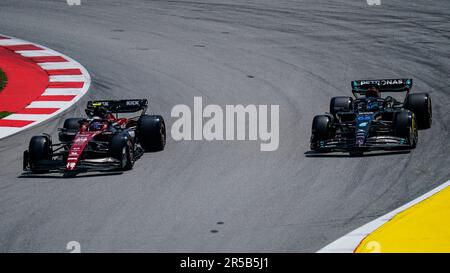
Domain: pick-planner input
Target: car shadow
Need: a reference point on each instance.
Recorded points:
(346, 155)
(68, 175)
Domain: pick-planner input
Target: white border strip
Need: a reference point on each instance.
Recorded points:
(71, 63)
(349, 242)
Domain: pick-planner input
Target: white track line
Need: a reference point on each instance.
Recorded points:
(50, 66)
(349, 242)
(11, 41)
(50, 104)
(66, 78)
(32, 117)
(7, 131)
(62, 91)
(35, 53)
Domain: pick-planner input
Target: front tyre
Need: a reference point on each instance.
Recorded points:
(122, 149)
(39, 149)
(151, 133)
(321, 131)
(406, 127)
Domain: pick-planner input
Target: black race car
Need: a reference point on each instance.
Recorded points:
(101, 142)
(370, 122)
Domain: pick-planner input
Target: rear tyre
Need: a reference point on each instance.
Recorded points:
(406, 127)
(39, 149)
(151, 132)
(321, 131)
(71, 127)
(340, 104)
(420, 105)
(72, 123)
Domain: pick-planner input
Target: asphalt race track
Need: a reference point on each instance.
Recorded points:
(296, 54)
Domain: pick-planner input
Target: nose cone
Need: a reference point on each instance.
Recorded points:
(71, 166)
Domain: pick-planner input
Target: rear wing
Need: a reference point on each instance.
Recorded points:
(389, 85)
(118, 106)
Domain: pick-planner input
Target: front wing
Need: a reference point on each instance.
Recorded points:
(370, 144)
(59, 165)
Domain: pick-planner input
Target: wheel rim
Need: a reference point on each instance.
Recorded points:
(430, 110)
(124, 157)
(130, 146)
(413, 133)
(163, 134)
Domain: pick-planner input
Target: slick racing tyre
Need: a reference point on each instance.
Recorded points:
(70, 128)
(39, 149)
(122, 149)
(406, 127)
(321, 130)
(72, 123)
(151, 133)
(420, 105)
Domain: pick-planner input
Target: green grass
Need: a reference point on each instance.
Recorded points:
(3, 80)
(4, 114)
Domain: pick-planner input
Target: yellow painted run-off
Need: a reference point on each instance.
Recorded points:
(424, 227)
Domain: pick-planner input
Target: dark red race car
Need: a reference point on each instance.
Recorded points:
(101, 142)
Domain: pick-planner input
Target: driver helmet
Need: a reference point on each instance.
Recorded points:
(96, 124)
(373, 92)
